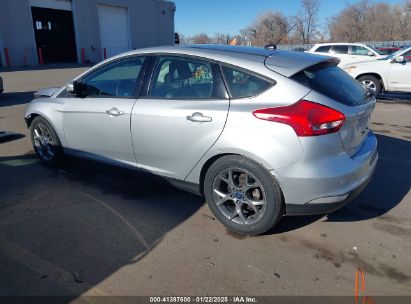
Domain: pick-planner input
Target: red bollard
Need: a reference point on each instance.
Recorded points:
(83, 55)
(105, 53)
(7, 55)
(40, 54)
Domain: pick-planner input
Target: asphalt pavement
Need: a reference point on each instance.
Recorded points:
(90, 229)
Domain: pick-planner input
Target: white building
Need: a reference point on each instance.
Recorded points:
(54, 31)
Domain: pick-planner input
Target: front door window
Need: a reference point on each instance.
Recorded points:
(117, 79)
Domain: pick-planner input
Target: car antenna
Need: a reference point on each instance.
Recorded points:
(273, 47)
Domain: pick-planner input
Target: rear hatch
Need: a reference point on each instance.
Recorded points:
(340, 91)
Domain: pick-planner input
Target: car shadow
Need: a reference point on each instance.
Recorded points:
(81, 222)
(401, 97)
(390, 183)
(15, 98)
(84, 221)
(9, 136)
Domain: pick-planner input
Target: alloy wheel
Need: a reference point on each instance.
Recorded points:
(43, 141)
(368, 84)
(239, 196)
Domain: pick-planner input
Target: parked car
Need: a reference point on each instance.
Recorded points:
(388, 50)
(299, 49)
(392, 73)
(346, 52)
(1, 85)
(260, 133)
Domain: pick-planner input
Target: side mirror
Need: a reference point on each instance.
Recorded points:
(400, 59)
(371, 54)
(70, 88)
(75, 88)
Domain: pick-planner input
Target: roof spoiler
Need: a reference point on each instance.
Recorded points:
(290, 63)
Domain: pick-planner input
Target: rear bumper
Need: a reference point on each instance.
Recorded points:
(324, 208)
(328, 183)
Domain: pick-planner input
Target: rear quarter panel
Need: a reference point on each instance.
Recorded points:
(271, 144)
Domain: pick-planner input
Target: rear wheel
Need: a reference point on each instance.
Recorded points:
(371, 83)
(45, 142)
(243, 195)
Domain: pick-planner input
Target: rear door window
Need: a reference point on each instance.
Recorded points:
(242, 84)
(331, 81)
(339, 49)
(323, 49)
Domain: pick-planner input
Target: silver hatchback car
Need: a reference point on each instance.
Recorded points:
(260, 133)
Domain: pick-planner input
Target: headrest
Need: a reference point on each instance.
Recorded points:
(179, 70)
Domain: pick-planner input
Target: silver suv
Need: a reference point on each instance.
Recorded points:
(260, 133)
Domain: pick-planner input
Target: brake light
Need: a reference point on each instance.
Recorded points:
(307, 118)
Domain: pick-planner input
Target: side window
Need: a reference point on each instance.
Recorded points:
(323, 49)
(359, 50)
(117, 79)
(242, 84)
(339, 49)
(183, 78)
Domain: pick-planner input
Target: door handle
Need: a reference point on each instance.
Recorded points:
(114, 112)
(199, 117)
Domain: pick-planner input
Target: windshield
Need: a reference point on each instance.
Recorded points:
(393, 55)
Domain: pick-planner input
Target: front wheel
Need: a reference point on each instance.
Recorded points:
(45, 142)
(243, 195)
(371, 83)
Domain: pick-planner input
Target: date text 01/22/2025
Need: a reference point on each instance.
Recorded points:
(203, 299)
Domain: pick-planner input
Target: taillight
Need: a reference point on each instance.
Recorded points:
(307, 118)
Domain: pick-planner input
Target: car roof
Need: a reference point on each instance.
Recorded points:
(234, 49)
(256, 59)
(340, 43)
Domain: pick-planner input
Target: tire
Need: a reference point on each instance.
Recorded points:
(249, 181)
(45, 142)
(372, 83)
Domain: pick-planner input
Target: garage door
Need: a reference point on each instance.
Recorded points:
(114, 30)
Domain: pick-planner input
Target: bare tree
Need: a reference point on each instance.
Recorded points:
(250, 33)
(306, 22)
(363, 21)
(184, 39)
(201, 39)
(268, 28)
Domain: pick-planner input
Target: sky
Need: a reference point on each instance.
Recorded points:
(229, 16)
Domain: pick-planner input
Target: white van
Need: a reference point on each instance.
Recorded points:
(346, 52)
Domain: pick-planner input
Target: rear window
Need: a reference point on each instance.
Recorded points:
(323, 49)
(331, 81)
(242, 84)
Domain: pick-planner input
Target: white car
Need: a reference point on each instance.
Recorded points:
(391, 73)
(346, 52)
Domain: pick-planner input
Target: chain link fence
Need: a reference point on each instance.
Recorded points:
(375, 44)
